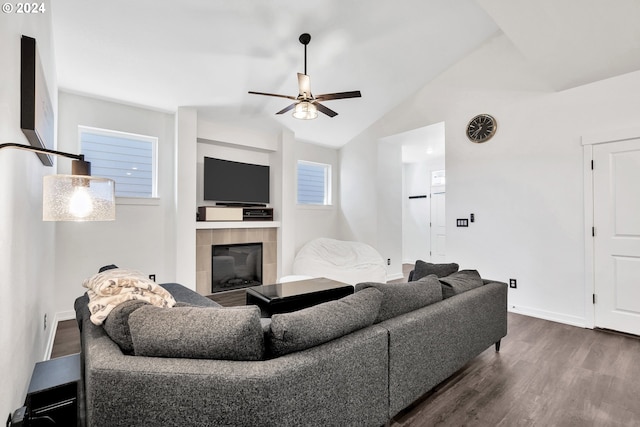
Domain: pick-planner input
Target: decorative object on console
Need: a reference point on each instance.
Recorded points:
(306, 105)
(75, 197)
(481, 128)
(218, 213)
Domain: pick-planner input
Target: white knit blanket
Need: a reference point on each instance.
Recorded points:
(112, 287)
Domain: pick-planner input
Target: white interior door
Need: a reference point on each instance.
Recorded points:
(415, 230)
(438, 228)
(616, 195)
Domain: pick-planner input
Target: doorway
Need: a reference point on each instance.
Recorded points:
(423, 207)
(615, 237)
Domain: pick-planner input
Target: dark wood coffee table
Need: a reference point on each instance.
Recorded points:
(292, 296)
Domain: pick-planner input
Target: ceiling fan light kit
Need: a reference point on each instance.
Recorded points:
(306, 106)
(305, 111)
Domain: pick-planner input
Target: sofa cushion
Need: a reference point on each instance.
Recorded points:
(116, 325)
(424, 269)
(400, 298)
(461, 281)
(198, 332)
(321, 323)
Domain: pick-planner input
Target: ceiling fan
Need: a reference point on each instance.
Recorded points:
(306, 106)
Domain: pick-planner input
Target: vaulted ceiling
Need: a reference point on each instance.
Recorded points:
(208, 54)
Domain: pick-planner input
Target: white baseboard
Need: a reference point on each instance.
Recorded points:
(57, 317)
(549, 315)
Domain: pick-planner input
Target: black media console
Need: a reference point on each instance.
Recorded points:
(257, 214)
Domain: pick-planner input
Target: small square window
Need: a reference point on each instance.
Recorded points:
(129, 159)
(314, 183)
(438, 178)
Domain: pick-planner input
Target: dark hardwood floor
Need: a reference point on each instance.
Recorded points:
(66, 340)
(546, 374)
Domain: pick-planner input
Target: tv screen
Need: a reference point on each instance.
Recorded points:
(227, 181)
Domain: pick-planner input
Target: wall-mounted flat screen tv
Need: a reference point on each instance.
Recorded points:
(236, 182)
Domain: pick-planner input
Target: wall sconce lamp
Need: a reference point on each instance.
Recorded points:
(75, 197)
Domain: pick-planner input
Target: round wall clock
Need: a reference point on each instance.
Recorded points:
(481, 128)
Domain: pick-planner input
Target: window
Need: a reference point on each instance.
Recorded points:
(128, 159)
(314, 183)
(438, 178)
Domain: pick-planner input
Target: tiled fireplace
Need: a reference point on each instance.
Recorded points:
(205, 238)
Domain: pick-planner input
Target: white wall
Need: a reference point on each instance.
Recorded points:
(143, 235)
(358, 189)
(26, 242)
(524, 186)
(316, 221)
(185, 152)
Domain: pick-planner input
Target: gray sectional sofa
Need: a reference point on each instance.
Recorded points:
(357, 361)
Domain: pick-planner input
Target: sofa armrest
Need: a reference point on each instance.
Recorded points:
(428, 345)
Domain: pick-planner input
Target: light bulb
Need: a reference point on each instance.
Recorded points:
(80, 204)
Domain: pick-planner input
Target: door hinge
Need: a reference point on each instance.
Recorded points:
(594, 298)
(592, 165)
(593, 232)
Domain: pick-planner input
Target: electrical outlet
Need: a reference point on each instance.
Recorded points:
(513, 283)
(152, 277)
(45, 321)
(388, 261)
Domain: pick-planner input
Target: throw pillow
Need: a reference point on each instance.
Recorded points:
(198, 332)
(461, 281)
(424, 269)
(321, 323)
(400, 298)
(116, 325)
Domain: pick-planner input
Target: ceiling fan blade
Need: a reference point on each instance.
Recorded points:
(272, 94)
(339, 95)
(304, 85)
(288, 108)
(328, 111)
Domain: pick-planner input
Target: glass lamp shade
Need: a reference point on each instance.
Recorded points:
(305, 110)
(78, 198)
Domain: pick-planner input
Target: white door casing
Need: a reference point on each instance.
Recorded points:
(438, 228)
(616, 219)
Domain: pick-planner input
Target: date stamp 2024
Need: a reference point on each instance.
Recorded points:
(24, 8)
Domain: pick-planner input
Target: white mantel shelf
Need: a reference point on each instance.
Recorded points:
(208, 225)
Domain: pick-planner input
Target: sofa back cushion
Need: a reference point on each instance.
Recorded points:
(198, 332)
(424, 269)
(400, 298)
(321, 323)
(461, 281)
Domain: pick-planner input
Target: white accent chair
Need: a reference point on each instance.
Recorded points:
(344, 261)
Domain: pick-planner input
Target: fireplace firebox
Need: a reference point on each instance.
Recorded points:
(236, 266)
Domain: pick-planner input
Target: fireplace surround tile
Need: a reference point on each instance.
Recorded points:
(207, 237)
